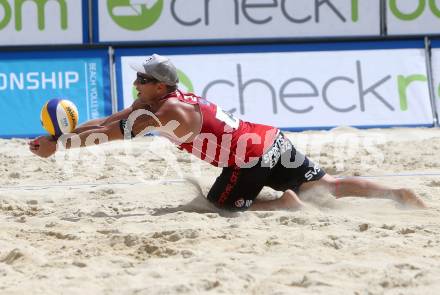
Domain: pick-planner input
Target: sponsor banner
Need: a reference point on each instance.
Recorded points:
(28, 80)
(436, 72)
(34, 22)
(173, 20)
(415, 17)
(303, 89)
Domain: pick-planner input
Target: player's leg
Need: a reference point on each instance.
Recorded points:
(306, 175)
(236, 189)
(359, 187)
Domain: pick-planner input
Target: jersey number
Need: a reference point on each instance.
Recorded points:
(227, 118)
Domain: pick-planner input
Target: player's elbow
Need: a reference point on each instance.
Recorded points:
(114, 131)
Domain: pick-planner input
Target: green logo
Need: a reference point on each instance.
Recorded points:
(183, 81)
(135, 15)
(134, 93)
(41, 12)
(355, 11)
(439, 91)
(403, 84)
(420, 9)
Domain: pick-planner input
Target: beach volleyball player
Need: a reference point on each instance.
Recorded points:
(251, 155)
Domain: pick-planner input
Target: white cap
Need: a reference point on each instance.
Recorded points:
(158, 67)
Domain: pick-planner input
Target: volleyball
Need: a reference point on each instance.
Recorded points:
(59, 116)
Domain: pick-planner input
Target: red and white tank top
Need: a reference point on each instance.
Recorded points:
(225, 140)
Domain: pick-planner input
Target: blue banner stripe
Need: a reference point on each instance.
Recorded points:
(85, 21)
(95, 28)
(52, 110)
(264, 48)
(436, 43)
(84, 53)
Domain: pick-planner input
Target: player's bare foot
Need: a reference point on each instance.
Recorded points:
(291, 201)
(288, 201)
(408, 198)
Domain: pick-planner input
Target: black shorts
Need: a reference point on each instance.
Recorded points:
(282, 167)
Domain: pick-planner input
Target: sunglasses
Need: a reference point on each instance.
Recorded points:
(144, 80)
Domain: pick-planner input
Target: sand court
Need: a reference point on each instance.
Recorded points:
(119, 219)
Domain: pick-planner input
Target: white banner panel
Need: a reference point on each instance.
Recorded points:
(34, 22)
(153, 20)
(413, 17)
(307, 89)
(436, 74)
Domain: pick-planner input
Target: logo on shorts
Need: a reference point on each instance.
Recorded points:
(240, 203)
(311, 173)
(280, 146)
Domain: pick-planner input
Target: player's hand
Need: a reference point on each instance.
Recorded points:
(43, 146)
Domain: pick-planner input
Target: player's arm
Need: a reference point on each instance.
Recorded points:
(97, 124)
(111, 131)
(138, 124)
(170, 121)
(46, 146)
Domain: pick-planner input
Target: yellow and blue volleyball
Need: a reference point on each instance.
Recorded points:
(59, 116)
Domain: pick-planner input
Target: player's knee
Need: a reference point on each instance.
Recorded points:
(333, 184)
